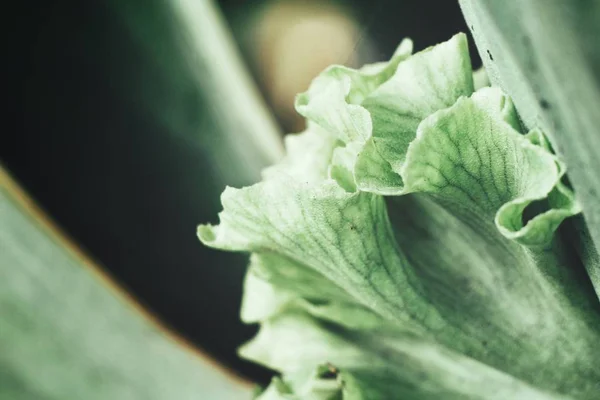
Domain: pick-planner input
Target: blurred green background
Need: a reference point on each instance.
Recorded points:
(117, 136)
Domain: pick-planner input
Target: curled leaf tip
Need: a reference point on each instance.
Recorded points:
(206, 233)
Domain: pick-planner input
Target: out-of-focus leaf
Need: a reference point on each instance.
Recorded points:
(122, 137)
(64, 334)
(207, 63)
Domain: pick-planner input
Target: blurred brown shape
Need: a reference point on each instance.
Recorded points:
(292, 42)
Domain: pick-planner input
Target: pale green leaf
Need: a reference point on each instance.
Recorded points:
(332, 99)
(480, 78)
(378, 118)
(470, 155)
(308, 156)
(347, 238)
(362, 363)
(342, 165)
(545, 55)
(428, 81)
(66, 333)
(344, 236)
(463, 256)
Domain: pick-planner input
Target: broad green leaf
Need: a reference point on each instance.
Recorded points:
(463, 254)
(360, 365)
(65, 334)
(344, 236)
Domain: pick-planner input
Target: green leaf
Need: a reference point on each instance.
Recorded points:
(463, 256)
(277, 390)
(343, 236)
(580, 238)
(347, 238)
(376, 117)
(545, 55)
(273, 282)
(308, 156)
(66, 333)
(480, 78)
(360, 365)
(471, 155)
(331, 101)
(428, 81)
